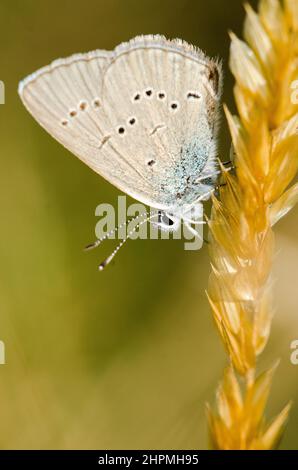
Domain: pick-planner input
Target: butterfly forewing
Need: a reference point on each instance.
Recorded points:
(133, 114)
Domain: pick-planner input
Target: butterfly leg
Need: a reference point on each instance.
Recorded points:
(193, 231)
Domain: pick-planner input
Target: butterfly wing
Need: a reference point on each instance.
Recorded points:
(65, 98)
(161, 99)
(132, 115)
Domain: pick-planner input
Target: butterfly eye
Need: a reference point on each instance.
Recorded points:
(164, 220)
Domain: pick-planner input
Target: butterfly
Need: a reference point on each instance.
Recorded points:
(144, 116)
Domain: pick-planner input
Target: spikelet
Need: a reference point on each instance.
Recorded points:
(265, 141)
(239, 423)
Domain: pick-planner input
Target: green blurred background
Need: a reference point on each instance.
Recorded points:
(126, 358)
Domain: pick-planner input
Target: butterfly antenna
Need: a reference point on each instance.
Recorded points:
(113, 254)
(111, 232)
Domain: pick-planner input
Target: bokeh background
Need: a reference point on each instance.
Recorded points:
(126, 358)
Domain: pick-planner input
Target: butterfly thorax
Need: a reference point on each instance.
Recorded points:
(190, 178)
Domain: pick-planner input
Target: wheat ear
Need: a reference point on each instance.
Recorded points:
(265, 140)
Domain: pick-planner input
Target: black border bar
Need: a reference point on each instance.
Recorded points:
(137, 458)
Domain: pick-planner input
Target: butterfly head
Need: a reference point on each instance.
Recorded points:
(167, 221)
(171, 220)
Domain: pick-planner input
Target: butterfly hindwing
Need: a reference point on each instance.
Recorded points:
(160, 101)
